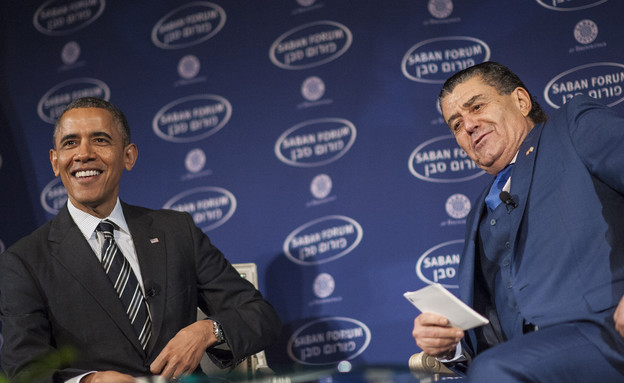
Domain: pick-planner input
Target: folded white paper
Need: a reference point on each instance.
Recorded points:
(438, 300)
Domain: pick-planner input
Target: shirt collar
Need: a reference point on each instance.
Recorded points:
(87, 222)
(513, 160)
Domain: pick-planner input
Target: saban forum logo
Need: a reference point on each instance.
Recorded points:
(192, 118)
(188, 25)
(310, 45)
(54, 101)
(323, 240)
(602, 81)
(433, 61)
(53, 196)
(62, 17)
(441, 160)
(439, 264)
(569, 5)
(328, 341)
(209, 206)
(315, 142)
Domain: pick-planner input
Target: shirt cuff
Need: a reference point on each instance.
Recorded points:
(458, 357)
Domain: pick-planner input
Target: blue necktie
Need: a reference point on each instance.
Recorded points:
(126, 283)
(493, 198)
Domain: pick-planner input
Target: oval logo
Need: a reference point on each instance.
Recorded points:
(62, 17)
(439, 264)
(53, 196)
(433, 61)
(568, 5)
(328, 341)
(188, 25)
(602, 81)
(315, 142)
(310, 45)
(323, 240)
(441, 160)
(192, 118)
(209, 206)
(56, 99)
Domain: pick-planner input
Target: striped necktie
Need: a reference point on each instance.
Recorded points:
(126, 284)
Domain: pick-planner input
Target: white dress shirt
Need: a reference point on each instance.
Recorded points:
(87, 225)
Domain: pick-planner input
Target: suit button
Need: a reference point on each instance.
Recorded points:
(492, 222)
(507, 245)
(506, 262)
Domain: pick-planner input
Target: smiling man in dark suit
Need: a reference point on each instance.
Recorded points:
(55, 293)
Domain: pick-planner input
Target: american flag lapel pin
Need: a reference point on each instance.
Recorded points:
(153, 240)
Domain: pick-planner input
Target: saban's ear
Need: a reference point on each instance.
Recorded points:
(523, 100)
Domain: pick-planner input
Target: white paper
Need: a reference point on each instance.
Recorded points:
(438, 300)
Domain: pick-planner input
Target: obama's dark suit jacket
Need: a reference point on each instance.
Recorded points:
(55, 294)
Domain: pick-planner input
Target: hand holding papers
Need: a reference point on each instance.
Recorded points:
(436, 299)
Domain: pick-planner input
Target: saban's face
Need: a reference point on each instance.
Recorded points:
(489, 126)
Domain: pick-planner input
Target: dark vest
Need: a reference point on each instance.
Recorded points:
(494, 295)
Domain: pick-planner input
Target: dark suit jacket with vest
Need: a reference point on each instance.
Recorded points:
(566, 237)
(55, 294)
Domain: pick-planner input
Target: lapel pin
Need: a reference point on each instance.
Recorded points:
(529, 151)
(153, 240)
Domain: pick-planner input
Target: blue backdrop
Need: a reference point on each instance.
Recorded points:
(302, 135)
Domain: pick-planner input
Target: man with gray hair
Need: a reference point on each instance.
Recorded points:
(544, 253)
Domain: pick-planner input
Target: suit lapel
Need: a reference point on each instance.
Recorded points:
(467, 265)
(72, 250)
(149, 244)
(522, 176)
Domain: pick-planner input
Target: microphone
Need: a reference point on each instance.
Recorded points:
(508, 199)
(151, 289)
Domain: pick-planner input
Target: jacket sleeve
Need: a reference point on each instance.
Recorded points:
(28, 352)
(249, 322)
(597, 133)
